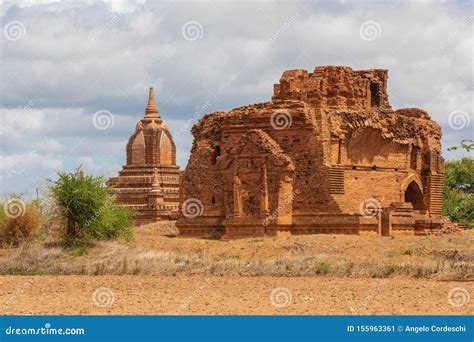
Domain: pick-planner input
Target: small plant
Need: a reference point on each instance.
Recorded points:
(386, 271)
(88, 206)
(78, 249)
(19, 220)
(323, 268)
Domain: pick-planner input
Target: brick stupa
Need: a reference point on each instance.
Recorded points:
(149, 182)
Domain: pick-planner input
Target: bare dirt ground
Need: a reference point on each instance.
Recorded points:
(159, 273)
(228, 295)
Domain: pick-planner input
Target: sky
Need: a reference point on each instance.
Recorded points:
(74, 76)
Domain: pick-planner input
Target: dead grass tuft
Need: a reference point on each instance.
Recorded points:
(15, 230)
(154, 252)
(34, 259)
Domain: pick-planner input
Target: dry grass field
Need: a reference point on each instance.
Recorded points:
(159, 273)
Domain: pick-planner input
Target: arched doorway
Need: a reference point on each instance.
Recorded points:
(414, 195)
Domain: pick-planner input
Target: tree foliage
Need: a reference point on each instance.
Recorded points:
(88, 206)
(467, 145)
(458, 196)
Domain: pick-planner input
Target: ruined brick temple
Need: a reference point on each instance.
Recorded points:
(149, 182)
(328, 154)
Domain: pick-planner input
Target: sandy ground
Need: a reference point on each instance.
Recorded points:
(171, 288)
(229, 295)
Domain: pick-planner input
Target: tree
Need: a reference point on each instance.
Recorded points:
(458, 196)
(88, 206)
(459, 174)
(465, 144)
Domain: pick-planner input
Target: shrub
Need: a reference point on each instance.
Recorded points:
(459, 206)
(19, 220)
(459, 175)
(87, 205)
(458, 196)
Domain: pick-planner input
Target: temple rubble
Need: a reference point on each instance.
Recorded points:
(327, 154)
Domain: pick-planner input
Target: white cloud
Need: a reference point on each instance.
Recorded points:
(19, 172)
(80, 57)
(48, 145)
(124, 6)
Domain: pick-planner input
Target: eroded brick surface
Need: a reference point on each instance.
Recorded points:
(328, 154)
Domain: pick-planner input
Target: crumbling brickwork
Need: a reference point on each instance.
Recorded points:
(149, 182)
(328, 154)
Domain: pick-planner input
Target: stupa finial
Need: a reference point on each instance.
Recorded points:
(151, 108)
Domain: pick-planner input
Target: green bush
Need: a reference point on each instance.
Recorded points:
(459, 206)
(19, 220)
(87, 205)
(458, 196)
(459, 175)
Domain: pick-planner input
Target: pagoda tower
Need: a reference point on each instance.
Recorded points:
(149, 182)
